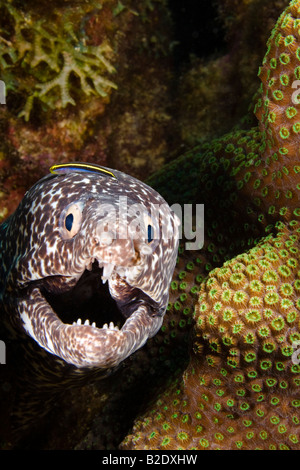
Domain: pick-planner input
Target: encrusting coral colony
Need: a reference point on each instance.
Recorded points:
(236, 300)
(241, 387)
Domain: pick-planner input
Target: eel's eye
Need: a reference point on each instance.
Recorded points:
(151, 229)
(71, 220)
(150, 233)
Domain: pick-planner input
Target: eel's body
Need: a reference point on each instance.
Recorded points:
(70, 230)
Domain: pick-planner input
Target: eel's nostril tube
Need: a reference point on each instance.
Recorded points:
(106, 238)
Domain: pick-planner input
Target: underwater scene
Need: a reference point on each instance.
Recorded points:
(150, 225)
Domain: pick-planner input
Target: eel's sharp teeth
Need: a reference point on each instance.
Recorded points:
(113, 327)
(87, 323)
(107, 270)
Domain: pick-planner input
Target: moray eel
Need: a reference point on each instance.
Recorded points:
(84, 228)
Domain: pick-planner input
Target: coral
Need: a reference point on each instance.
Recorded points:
(61, 54)
(257, 167)
(236, 342)
(276, 107)
(241, 387)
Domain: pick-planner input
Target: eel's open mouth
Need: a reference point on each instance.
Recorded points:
(88, 303)
(84, 325)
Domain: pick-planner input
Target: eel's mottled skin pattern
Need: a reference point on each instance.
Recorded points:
(40, 255)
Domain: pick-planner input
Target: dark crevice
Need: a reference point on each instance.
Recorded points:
(198, 30)
(89, 300)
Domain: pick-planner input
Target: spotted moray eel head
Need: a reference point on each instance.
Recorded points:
(93, 257)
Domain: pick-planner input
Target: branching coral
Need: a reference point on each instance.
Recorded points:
(52, 57)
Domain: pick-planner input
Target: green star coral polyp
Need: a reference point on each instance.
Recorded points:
(49, 58)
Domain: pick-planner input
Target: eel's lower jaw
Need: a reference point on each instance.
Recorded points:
(107, 347)
(86, 346)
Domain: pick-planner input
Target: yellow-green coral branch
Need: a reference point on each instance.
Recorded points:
(54, 57)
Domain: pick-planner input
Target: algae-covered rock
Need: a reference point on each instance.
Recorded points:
(84, 81)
